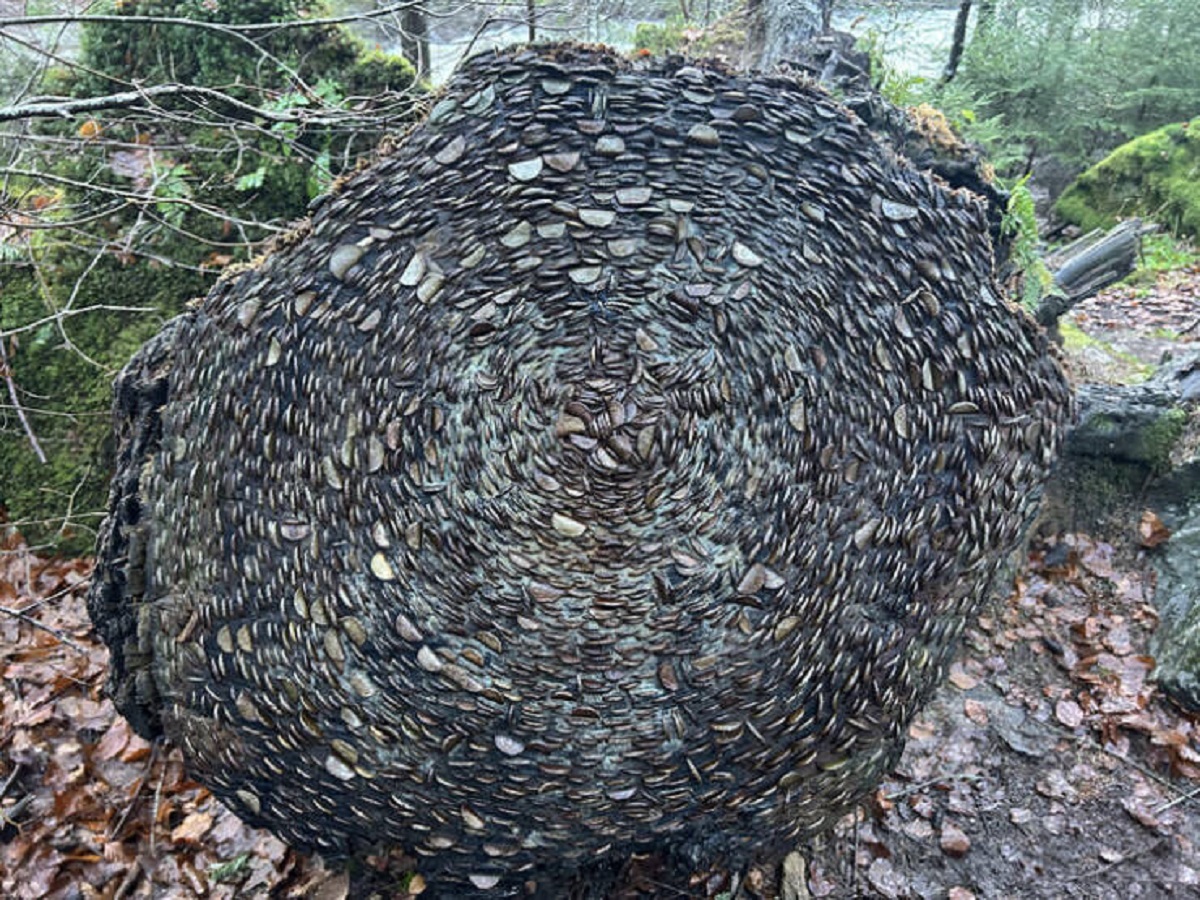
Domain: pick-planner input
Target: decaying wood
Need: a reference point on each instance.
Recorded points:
(1089, 264)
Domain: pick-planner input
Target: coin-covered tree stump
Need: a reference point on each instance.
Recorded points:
(612, 465)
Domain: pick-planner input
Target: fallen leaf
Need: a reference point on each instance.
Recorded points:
(1151, 530)
(975, 711)
(961, 678)
(334, 888)
(113, 742)
(192, 828)
(1140, 813)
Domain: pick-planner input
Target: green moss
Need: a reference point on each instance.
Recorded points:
(1156, 176)
(64, 376)
(1126, 367)
(374, 70)
(1161, 437)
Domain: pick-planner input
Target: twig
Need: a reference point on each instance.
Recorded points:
(162, 776)
(1190, 795)
(1150, 773)
(6, 369)
(248, 28)
(9, 816)
(83, 310)
(913, 788)
(12, 776)
(64, 108)
(1100, 870)
(129, 882)
(30, 620)
(115, 832)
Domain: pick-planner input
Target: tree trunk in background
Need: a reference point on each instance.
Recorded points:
(531, 19)
(960, 40)
(414, 39)
(778, 27)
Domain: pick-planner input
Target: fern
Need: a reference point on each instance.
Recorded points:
(1020, 224)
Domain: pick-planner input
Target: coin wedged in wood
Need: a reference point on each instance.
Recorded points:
(612, 465)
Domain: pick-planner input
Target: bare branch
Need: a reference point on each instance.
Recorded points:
(244, 28)
(61, 107)
(143, 199)
(83, 310)
(231, 31)
(6, 370)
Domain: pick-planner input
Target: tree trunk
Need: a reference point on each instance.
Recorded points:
(778, 27)
(531, 19)
(960, 40)
(414, 39)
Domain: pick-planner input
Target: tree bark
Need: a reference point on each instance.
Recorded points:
(414, 40)
(960, 40)
(1085, 267)
(778, 27)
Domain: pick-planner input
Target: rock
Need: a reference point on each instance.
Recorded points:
(1132, 446)
(486, 540)
(1150, 176)
(793, 879)
(954, 841)
(1176, 645)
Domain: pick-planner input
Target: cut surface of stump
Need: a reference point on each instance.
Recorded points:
(611, 466)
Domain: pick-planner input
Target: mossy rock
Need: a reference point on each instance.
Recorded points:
(63, 375)
(1177, 642)
(1156, 176)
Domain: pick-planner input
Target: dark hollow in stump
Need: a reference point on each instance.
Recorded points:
(612, 465)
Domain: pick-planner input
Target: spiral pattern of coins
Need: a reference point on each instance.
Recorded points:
(613, 464)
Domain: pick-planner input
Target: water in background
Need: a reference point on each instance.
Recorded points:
(915, 37)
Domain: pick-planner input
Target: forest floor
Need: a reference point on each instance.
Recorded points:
(1049, 766)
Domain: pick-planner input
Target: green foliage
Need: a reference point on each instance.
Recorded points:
(895, 85)
(1164, 253)
(374, 71)
(1068, 77)
(1020, 224)
(206, 182)
(163, 54)
(62, 373)
(659, 40)
(232, 871)
(1156, 176)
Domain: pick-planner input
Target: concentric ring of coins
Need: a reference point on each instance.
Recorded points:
(614, 463)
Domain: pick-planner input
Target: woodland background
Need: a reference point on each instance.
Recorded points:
(148, 145)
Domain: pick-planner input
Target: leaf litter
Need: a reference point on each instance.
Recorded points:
(1047, 766)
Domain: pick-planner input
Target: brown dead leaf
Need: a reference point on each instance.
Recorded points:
(961, 678)
(336, 887)
(192, 828)
(975, 711)
(136, 750)
(1097, 558)
(921, 730)
(1151, 530)
(113, 742)
(954, 841)
(1140, 812)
